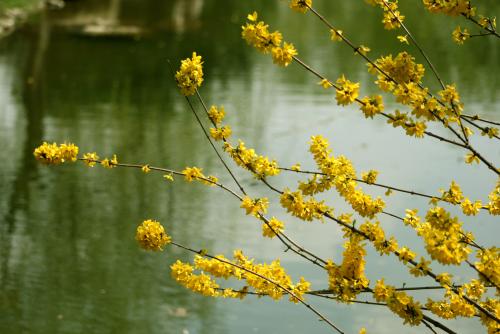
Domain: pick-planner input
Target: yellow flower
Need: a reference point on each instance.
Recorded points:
(52, 154)
(146, 169)
(258, 35)
(325, 83)
(152, 236)
(300, 6)
(224, 132)
(283, 56)
(296, 168)
(90, 159)
(406, 255)
(275, 227)
(490, 132)
(363, 50)
(372, 105)
(392, 19)
(411, 218)
(216, 114)
(421, 268)
(471, 157)
(168, 177)
(452, 8)
(252, 17)
(106, 163)
(370, 177)
(192, 173)
(336, 35)
(190, 75)
(254, 206)
(347, 91)
(460, 36)
(403, 39)
(444, 279)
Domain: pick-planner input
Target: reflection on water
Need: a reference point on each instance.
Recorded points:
(68, 259)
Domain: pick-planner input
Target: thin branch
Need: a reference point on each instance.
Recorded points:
(489, 29)
(208, 137)
(287, 241)
(477, 118)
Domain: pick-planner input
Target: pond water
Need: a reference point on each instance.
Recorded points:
(68, 259)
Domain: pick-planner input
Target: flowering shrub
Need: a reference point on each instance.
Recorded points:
(446, 241)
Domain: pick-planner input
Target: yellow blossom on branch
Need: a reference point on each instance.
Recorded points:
(336, 35)
(273, 228)
(152, 236)
(53, 154)
(283, 56)
(300, 6)
(90, 159)
(471, 208)
(347, 92)
(216, 114)
(222, 133)
(372, 106)
(254, 206)
(325, 83)
(452, 8)
(460, 36)
(192, 173)
(370, 177)
(107, 163)
(190, 75)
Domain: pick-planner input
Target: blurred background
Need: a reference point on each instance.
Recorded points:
(96, 73)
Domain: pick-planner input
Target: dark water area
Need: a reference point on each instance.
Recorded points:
(68, 259)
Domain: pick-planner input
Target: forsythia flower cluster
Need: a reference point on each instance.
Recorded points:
(340, 173)
(489, 265)
(273, 227)
(257, 34)
(152, 236)
(347, 92)
(202, 283)
(305, 209)
(300, 6)
(254, 206)
(245, 157)
(450, 7)
(454, 306)
(442, 234)
(401, 68)
(190, 76)
(399, 302)
(494, 197)
(376, 235)
(220, 132)
(53, 154)
(392, 17)
(492, 305)
(348, 279)
(241, 268)
(460, 36)
(402, 76)
(195, 173)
